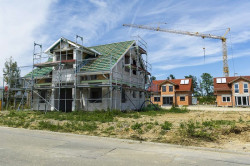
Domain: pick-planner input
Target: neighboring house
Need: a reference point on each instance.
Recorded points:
(177, 92)
(232, 91)
(111, 76)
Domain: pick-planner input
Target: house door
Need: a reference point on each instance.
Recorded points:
(242, 100)
(65, 100)
(167, 100)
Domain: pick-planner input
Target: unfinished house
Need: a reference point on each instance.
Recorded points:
(111, 76)
(232, 91)
(175, 92)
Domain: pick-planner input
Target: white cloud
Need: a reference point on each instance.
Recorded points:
(99, 22)
(170, 51)
(99, 3)
(19, 21)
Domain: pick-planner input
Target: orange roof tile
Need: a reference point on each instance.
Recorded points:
(155, 86)
(229, 80)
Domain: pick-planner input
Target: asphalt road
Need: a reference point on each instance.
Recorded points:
(29, 147)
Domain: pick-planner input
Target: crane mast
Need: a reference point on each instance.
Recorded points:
(197, 34)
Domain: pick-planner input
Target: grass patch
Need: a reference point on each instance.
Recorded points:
(166, 125)
(67, 127)
(147, 125)
(195, 130)
(137, 126)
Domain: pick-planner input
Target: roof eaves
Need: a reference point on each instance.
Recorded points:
(241, 77)
(72, 43)
(166, 82)
(52, 46)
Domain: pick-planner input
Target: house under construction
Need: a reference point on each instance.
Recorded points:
(74, 77)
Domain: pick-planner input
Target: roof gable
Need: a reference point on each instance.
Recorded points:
(155, 86)
(239, 78)
(101, 63)
(229, 80)
(76, 45)
(167, 81)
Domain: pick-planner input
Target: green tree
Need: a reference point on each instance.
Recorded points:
(195, 84)
(153, 78)
(11, 73)
(207, 83)
(171, 77)
(11, 77)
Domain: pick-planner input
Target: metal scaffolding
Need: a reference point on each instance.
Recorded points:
(67, 78)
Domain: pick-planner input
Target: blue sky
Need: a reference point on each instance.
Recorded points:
(100, 22)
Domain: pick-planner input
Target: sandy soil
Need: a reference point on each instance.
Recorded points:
(214, 108)
(151, 129)
(232, 141)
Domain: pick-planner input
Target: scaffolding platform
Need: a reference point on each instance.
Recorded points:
(55, 63)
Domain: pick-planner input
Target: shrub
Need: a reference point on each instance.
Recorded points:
(137, 126)
(166, 125)
(206, 99)
(195, 130)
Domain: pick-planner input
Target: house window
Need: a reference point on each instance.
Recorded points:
(95, 95)
(226, 98)
(42, 96)
(134, 65)
(134, 94)
(182, 98)
(236, 88)
(123, 96)
(245, 87)
(170, 88)
(157, 99)
(140, 93)
(127, 69)
(127, 60)
(93, 77)
(163, 88)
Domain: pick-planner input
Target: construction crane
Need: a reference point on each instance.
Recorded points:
(202, 35)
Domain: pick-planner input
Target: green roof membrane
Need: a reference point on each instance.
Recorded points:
(40, 72)
(116, 50)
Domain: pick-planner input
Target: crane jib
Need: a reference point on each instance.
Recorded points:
(197, 34)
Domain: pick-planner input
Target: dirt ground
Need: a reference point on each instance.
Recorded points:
(146, 127)
(214, 108)
(232, 141)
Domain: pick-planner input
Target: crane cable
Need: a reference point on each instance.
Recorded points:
(204, 49)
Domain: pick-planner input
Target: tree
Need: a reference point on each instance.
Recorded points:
(171, 77)
(207, 83)
(11, 72)
(152, 78)
(11, 77)
(195, 84)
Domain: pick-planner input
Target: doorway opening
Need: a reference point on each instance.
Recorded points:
(66, 100)
(167, 100)
(242, 100)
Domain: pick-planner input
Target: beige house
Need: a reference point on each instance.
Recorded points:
(232, 91)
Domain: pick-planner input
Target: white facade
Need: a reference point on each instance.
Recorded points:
(127, 86)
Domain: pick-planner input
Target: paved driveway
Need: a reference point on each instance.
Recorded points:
(27, 147)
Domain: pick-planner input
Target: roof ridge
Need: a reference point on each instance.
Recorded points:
(112, 43)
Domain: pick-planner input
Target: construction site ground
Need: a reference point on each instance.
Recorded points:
(212, 108)
(214, 129)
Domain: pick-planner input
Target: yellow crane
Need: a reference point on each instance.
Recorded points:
(197, 34)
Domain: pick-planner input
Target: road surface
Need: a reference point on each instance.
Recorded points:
(31, 147)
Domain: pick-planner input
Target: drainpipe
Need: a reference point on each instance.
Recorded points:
(174, 97)
(232, 100)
